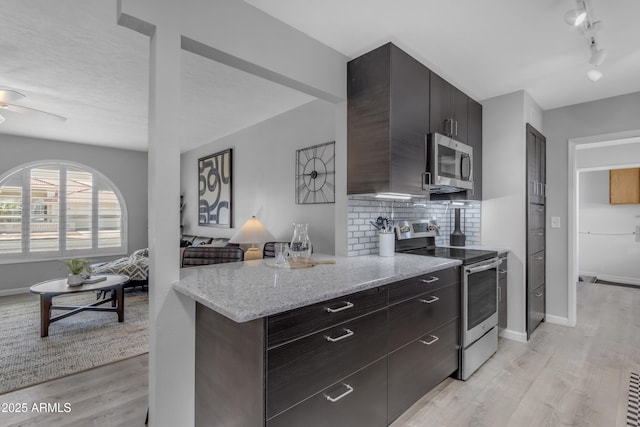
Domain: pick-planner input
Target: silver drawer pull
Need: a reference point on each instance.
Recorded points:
(431, 280)
(539, 258)
(344, 307)
(540, 234)
(539, 294)
(335, 399)
(502, 271)
(431, 299)
(348, 333)
(435, 338)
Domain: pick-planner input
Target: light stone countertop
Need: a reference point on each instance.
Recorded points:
(249, 290)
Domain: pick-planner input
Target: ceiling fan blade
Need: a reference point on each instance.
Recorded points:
(28, 110)
(9, 95)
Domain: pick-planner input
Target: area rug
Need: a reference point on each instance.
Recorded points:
(77, 343)
(633, 406)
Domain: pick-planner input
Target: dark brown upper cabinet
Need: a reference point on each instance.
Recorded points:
(474, 139)
(388, 122)
(449, 109)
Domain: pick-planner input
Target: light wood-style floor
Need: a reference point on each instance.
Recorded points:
(562, 377)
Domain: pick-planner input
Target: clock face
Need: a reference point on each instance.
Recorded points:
(316, 174)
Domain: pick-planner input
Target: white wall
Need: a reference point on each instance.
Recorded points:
(504, 184)
(263, 180)
(609, 250)
(126, 169)
(605, 116)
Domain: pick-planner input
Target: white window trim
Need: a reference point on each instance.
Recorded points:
(63, 252)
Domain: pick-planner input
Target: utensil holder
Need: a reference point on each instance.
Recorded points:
(386, 244)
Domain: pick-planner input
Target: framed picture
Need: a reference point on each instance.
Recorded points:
(214, 192)
(316, 174)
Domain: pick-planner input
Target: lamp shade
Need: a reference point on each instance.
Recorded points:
(252, 232)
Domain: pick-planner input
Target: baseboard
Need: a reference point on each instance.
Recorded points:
(618, 279)
(556, 320)
(513, 335)
(17, 291)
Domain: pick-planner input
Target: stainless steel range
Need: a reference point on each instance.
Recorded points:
(479, 334)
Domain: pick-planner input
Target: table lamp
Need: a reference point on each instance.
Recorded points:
(252, 233)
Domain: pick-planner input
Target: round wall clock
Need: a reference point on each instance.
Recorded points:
(316, 174)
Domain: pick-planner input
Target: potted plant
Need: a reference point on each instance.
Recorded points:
(76, 266)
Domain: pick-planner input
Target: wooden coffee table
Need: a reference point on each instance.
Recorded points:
(53, 288)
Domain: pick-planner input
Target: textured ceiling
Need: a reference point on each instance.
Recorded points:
(70, 58)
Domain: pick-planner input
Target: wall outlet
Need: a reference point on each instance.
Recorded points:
(555, 222)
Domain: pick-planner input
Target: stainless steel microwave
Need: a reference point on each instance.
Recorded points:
(450, 165)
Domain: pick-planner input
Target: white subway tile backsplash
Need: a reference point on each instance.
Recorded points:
(362, 236)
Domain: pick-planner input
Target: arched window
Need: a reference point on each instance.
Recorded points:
(58, 209)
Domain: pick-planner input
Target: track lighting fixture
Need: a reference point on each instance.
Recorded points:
(581, 17)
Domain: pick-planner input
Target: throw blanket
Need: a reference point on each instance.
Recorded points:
(136, 266)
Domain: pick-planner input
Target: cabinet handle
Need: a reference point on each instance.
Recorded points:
(544, 190)
(539, 294)
(540, 234)
(431, 300)
(502, 271)
(348, 333)
(335, 399)
(540, 210)
(435, 338)
(347, 306)
(456, 128)
(539, 258)
(431, 280)
(499, 294)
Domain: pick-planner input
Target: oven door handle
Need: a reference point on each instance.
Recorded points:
(483, 267)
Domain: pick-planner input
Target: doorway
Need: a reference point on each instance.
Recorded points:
(599, 152)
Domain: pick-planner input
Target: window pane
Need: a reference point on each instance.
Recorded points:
(45, 209)
(11, 215)
(79, 209)
(109, 220)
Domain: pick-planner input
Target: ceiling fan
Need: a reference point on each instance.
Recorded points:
(8, 96)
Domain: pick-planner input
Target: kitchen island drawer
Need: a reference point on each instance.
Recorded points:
(312, 318)
(301, 368)
(358, 400)
(413, 318)
(409, 288)
(419, 366)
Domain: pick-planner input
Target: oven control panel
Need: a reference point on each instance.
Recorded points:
(409, 229)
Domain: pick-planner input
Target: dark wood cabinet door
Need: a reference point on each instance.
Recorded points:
(440, 105)
(299, 369)
(536, 308)
(420, 365)
(306, 320)
(459, 114)
(535, 271)
(415, 317)
(409, 288)
(409, 122)
(358, 400)
(474, 139)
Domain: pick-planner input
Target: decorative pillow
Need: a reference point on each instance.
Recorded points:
(215, 243)
(198, 241)
(185, 243)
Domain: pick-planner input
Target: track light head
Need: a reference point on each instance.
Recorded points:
(575, 17)
(594, 74)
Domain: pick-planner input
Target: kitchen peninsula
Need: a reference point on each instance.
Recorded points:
(351, 343)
